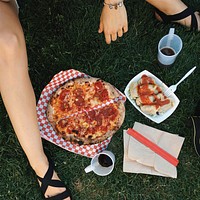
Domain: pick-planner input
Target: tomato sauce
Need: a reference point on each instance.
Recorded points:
(147, 96)
(147, 80)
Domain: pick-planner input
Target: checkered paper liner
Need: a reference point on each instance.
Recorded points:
(46, 129)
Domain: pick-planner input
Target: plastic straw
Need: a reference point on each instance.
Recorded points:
(154, 147)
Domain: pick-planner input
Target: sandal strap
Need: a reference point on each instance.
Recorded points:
(194, 23)
(185, 13)
(196, 133)
(47, 181)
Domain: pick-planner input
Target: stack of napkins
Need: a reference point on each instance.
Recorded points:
(139, 158)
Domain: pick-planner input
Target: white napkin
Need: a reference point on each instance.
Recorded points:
(140, 159)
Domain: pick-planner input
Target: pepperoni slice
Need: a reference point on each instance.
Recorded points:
(107, 111)
(79, 100)
(104, 129)
(63, 94)
(64, 106)
(99, 120)
(103, 96)
(100, 91)
(98, 85)
(91, 114)
(78, 91)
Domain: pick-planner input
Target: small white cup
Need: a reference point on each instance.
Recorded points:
(102, 164)
(173, 44)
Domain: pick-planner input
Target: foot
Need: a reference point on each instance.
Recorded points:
(174, 7)
(185, 22)
(50, 191)
(53, 191)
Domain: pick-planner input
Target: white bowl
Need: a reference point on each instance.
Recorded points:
(157, 118)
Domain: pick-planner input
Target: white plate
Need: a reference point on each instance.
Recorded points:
(157, 118)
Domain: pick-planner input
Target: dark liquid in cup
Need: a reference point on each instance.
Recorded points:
(167, 51)
(104, 160)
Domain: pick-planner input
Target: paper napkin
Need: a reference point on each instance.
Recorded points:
(138, 158)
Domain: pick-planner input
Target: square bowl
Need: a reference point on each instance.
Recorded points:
(156, 118)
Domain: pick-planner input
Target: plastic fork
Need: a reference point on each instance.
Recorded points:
(173, 88)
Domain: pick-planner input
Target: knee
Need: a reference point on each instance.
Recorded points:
(10, 44)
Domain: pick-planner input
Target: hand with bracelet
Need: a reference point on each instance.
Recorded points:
(113, 20)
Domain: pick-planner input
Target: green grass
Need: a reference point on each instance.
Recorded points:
(63, 34)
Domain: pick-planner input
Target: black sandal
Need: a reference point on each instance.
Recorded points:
(196, 134)
(187, 12)
(47, 181)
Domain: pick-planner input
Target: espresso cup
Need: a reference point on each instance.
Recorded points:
(169, 47)
(102, 164)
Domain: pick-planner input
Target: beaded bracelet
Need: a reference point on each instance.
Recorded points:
(111, 6)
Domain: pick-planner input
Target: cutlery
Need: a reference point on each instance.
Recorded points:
(173, 88)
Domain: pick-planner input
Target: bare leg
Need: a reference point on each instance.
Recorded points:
(171, 7)
(17, 91)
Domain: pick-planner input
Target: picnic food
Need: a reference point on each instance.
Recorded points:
(79, 111)
(149, 96)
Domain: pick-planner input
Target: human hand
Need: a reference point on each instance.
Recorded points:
(113, 22)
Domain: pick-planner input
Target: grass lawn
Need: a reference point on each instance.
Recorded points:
(61, 35)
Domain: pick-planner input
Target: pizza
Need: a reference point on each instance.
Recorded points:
(85, 111)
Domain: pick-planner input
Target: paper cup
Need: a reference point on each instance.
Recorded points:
(167, 52)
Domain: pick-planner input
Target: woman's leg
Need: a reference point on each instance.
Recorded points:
(17, 92)
(171, 7)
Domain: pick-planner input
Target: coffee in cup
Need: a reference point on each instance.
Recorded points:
(102, 164)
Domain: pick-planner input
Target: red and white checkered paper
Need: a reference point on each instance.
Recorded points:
(46, 129)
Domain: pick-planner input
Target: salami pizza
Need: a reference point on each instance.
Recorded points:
(85, 111)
